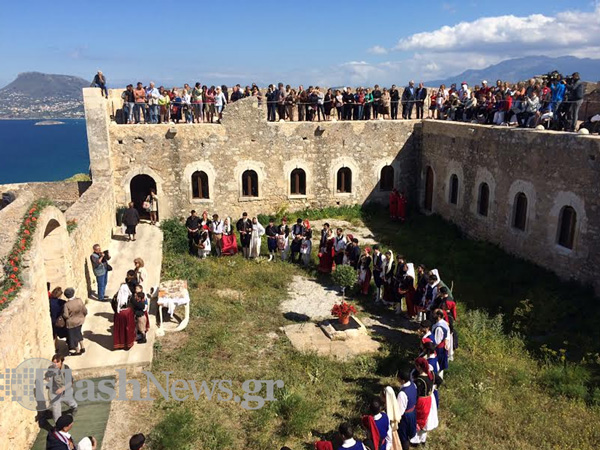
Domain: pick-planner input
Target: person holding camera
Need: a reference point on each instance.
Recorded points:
(100, 268)
(576, 91)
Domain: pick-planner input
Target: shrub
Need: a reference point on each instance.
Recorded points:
(174, 236)
(569, 380)
(297, 414)
(344, 276)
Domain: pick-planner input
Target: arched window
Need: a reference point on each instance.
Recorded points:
(429, 178)
(566, 227)
(298, 182)
(483, 202)
(344, 180)
(386, 180)
(453, 189)
(520, 212)
(249, 184)
(200, 185)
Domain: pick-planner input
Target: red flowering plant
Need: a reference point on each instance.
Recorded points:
(343, 309)
(11, 283)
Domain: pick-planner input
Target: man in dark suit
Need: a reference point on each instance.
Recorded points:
(408, 100)
(395, 100)
(421, 96)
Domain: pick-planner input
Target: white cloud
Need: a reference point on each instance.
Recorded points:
(568, 30)
(377, 50)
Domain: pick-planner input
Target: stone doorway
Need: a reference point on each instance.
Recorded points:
(140, 187)
(54, 247)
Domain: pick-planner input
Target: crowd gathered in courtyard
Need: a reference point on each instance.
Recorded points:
(393, 420)
(552, 101)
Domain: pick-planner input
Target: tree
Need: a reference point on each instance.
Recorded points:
(344, 276)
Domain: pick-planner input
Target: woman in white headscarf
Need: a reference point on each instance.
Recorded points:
(87, 443)
(393, 412)
(255, 239)
(388, 278)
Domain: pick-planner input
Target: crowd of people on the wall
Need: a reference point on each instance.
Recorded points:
(552, 101)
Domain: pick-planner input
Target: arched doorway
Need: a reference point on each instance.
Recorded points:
(54, 254)
(428, 205)
(140, 187)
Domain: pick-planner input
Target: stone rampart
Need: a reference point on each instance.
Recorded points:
(553, 170)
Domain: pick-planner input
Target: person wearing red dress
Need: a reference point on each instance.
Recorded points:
(393, 204)
(401, 207)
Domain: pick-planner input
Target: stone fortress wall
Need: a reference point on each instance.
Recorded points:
(441, 166)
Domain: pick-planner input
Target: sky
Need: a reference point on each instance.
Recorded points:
(326, 42)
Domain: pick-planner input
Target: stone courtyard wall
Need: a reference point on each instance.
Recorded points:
(552, 169)
(170, 154)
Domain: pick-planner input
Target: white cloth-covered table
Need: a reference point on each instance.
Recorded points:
(171, 294)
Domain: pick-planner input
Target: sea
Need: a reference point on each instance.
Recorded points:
(30, 152)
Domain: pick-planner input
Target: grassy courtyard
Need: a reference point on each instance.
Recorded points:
(496, 395)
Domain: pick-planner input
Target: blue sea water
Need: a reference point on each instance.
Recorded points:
(30, 152)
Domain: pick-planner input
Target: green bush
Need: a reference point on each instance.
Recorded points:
(569, 380)
(174, 236)
(344, 276)
(297, 414)
(177, 431)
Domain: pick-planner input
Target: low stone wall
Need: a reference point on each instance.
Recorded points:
(552, 169)
(62, 193)
(26, 332)
(11, 218)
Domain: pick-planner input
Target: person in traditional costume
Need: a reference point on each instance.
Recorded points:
(393, 204)
(448, 306)
(394, 415)
(348, 250)
(256, 238)
(203, 245)
(406, 289)
(59, 437)
(349, 443)
(325, 234)
(399, 272)
(441, 333)
(216, 230)
(364, 271)
(297, 236)
(326, 256)
(205, 221)
(229, 241)
(306, 246)
(407, 402)
(431, 290)
(422, 283)
(425, 333)
(377, 424)
(378, 260)
(271, 231)
(339, 247)
(431, 356)
(388, 278)
(426, 408)
(401, 207)
(283, 243)
(140, 304)
(192, 224)
(124, 329)
(244, 227)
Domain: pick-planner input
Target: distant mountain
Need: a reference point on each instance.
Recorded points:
(518, 69)
(42, 95)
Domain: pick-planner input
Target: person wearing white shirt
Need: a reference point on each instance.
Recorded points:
(407, 402)
(152, 95)
(217, 227)
(220, 102)
(349, 443)
(255, 239)
(339, 246)
(204, 247)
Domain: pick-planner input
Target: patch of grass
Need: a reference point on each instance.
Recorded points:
(495, 394)
(176, 431)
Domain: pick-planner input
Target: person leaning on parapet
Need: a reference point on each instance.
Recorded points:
(575, 96)
(100, 81)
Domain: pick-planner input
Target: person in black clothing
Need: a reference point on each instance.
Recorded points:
(422, 282)
(408, 100)
(100, 81)
(395, 99)
(348, 100)
(271, 103)
(298, 231)
(58, 438)
(376, 101)
(323, 241)
(131, 218)
(420, 98)
(139, 308)
(377, 271)
(244, 227)
(237, 93)
(192, 224)
(575, 97)
(128, 103)
(271, 231)
(354, 254)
